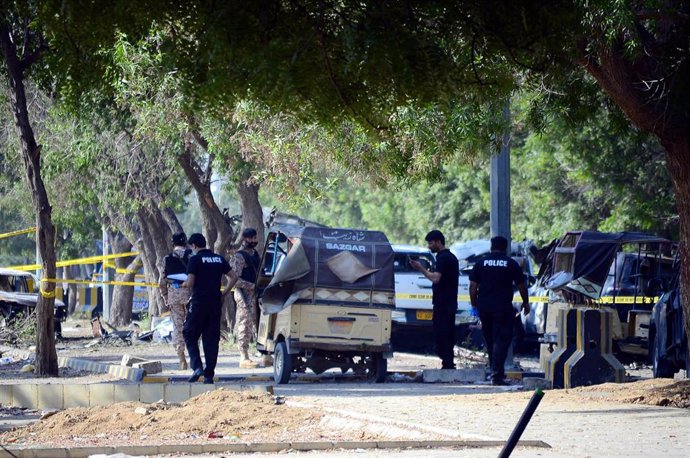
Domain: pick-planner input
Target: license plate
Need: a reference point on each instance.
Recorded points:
(425, 315)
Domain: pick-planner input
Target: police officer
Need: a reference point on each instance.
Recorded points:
(445, 295)
(204, 275)
(247, 262)
(491, 294)
(175, 296)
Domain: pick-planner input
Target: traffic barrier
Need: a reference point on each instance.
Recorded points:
(593, 361)
(567, 345)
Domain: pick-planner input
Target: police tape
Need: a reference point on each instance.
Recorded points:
(31, 230)
(78, 261)
(100, 282)
(536, 299)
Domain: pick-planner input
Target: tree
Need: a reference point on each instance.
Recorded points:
(365, 60)
(16, 28)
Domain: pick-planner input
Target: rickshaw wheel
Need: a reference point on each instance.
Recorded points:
(377, 368)
(282, 365)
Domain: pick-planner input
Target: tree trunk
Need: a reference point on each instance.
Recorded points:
(252, 212)
(678, 161)
(218, 235)
(46, 356)
(123, 296)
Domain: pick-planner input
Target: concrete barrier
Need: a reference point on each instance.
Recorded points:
(62, 396)
(593, 362)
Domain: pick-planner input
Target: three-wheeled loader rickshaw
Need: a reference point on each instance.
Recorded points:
(326, 297)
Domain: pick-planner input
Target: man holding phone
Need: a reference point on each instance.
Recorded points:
(445, 295)
(491, 294)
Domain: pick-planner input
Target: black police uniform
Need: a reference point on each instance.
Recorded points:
(445, 302)
(203, 317)
(495, 275)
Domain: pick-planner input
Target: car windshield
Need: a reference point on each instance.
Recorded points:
(13, 284)
(401, 264)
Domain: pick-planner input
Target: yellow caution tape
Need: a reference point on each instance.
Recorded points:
(100, 282)
(628, 300)
(120, 270)
(31, 230)
(48, 294)
(603, 300)
(76, 262)
(464, 297)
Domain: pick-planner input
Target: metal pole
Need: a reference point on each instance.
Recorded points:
(522, 424)
(105, 288)
(500, 202)
(500, 186)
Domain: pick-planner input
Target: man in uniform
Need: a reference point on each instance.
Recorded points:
(204, 275)
(445, 295)
(175, 296)
(491, 294)
(247, 262)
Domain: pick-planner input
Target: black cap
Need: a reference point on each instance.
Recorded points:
(249, 233)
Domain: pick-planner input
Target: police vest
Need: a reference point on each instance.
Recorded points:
(175, 264)
(251, 266)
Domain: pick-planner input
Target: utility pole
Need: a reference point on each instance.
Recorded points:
(500, 185)
(500, 202)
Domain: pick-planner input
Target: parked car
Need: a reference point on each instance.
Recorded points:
(19, 296)
(668, 343)
(412, 317)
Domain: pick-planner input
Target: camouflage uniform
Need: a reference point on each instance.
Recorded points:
(176, 300)
(246, 311)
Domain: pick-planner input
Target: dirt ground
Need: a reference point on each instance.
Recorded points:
(216, 415)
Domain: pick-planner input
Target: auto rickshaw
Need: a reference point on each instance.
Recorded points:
(326, 297)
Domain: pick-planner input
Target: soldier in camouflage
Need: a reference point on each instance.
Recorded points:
(176, 297)
(246, 263)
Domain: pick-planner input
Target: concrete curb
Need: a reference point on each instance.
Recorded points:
(259, 447)
(123, 372)
(63, 396)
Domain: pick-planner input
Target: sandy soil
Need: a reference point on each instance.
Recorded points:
(220, 414)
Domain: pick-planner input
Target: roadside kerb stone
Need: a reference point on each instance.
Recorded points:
(128, 373)
(51, 396)
(260, 447)
(6, 395)
(126, 393)
(102, 395)
(64, 396)
(25, 395)
(151, 392)
(76, 395)
(129, 360)
(453, 375)
(176, 393)
(149, 367)
(532, 383)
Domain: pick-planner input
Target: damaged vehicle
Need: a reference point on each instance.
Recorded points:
(625, 271)
(19, 296)
(326, 298)
(668, 342)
